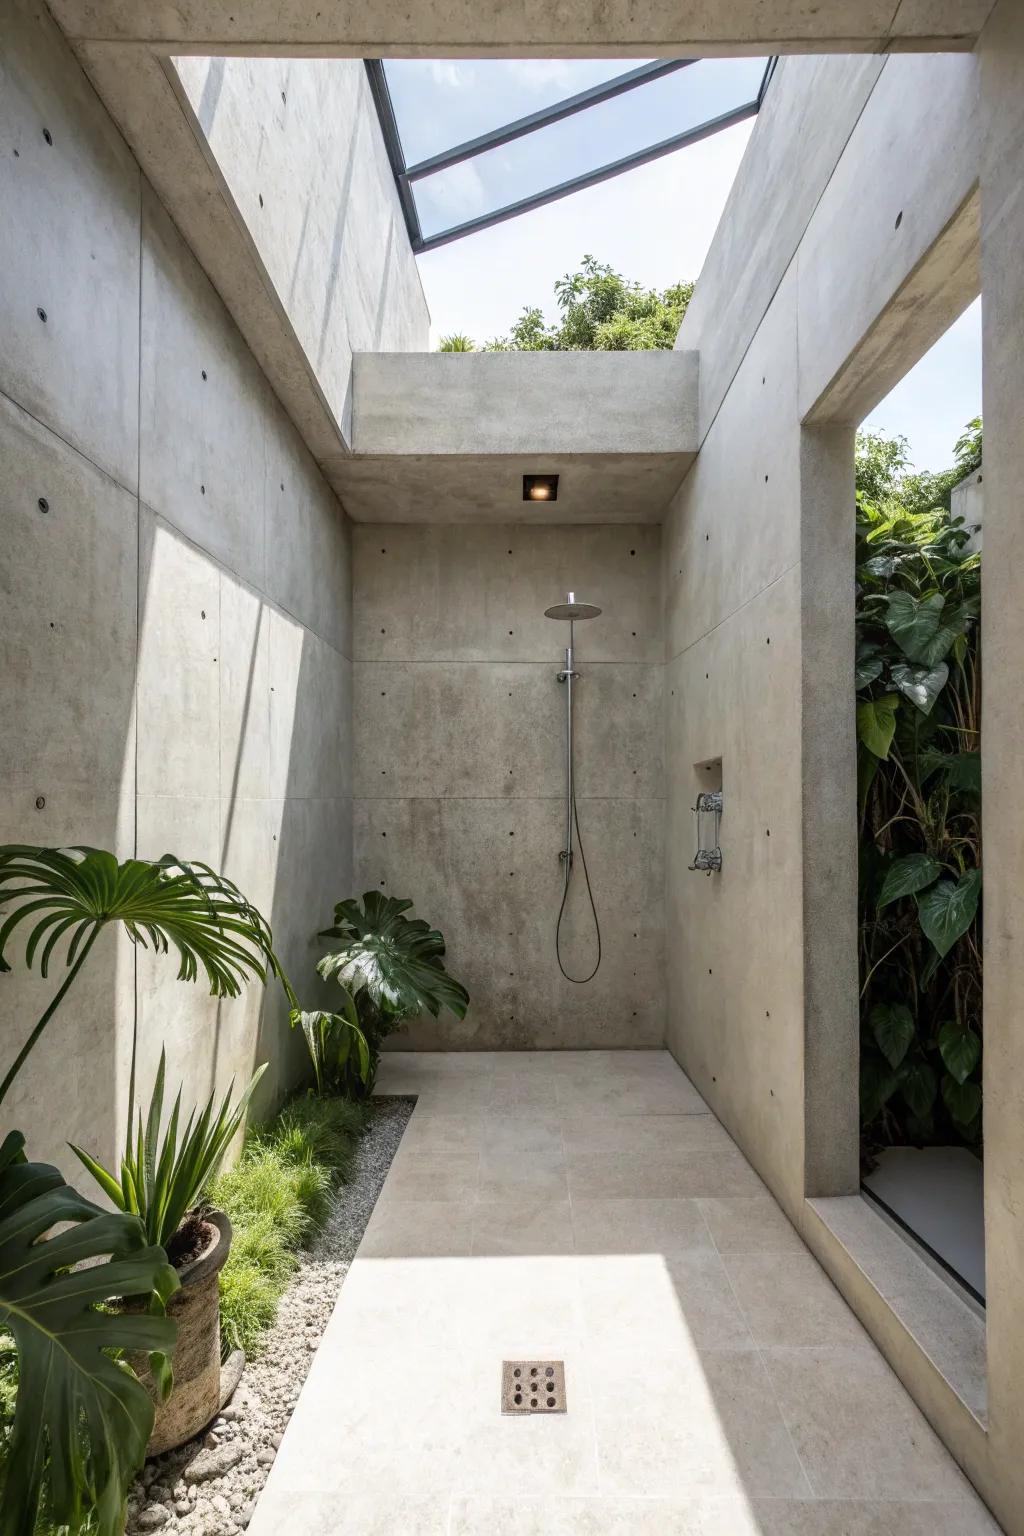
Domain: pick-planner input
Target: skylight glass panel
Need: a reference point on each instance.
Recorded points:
(475, 141)
(441, 102)
(583, 144)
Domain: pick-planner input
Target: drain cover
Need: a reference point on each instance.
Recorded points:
(532, 1386)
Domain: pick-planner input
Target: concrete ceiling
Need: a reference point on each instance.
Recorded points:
(479, 488)
(619, 28)
(447, 437)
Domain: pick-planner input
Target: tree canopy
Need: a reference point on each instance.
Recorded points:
(598, 311)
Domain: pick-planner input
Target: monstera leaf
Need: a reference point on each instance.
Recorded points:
(396, 960)
(82, 1419)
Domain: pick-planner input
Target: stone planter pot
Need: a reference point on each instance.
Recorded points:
(196, 1396)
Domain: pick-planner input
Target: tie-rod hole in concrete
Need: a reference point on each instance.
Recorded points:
(43, 504)
(47, 135)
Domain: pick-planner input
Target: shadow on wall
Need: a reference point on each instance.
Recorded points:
(242, 764)
(68, 708)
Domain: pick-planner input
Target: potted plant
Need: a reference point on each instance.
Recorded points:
(82, 1419)
(162, 1181)
(390, 968)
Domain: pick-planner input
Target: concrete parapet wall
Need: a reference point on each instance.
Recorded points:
(176, 624)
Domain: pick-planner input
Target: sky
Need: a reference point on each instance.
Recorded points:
(653, 224)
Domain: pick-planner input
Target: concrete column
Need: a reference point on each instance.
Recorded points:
(829, 799)
(1001, 54)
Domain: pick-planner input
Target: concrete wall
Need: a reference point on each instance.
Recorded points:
(968, 501)
(300, 151)
(176, 635)
(460, 762)
(849, 282)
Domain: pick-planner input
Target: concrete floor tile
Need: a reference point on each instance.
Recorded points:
(869, 1517)
(523, 1131)
(628, 1237)
(638, 1226)
(437, 1176)
(525, 1307)
(788, 1300)
(361, 1511)
(507, 1172)
(640, 1134)
(522, 1224)
(429, 1134)
(418, 1229)
(603, 1516)
(683, 1301)
(673, 1423)
(675, 1175)
(638, 1093)
(529, 1454)
(750, 1224)
(858, 1432)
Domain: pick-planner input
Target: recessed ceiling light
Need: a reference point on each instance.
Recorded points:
(540, 487)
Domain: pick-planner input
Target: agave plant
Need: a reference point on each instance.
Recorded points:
(161, 1181)
(391, 966)
(81, 1419)
(73, 893)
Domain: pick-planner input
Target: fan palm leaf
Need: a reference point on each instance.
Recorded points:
(68, 895)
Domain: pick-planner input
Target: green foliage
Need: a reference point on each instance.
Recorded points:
(599, 311)
(338, 1048)
(918, 679)
(276, 1196)
(72, 893)
(81, 1418)
(160, 1181)
(391, 967)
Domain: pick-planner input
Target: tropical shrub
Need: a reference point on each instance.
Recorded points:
(599, 311)
(276, 1196)
(391, 968)
(918, 680)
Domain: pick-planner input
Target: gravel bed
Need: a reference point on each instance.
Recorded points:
(209, 1487)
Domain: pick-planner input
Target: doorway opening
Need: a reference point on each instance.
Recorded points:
(920, 517)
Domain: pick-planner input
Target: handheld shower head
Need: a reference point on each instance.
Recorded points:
(571, 609)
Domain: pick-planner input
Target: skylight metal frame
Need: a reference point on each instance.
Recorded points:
(407, 175)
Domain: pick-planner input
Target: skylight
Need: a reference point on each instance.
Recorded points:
(474, 142)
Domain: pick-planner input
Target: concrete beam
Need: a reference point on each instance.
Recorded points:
(451, 436)
(334, 28)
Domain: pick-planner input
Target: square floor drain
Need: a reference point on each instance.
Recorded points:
(532, 1386)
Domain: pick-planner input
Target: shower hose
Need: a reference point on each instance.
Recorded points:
(565, 896)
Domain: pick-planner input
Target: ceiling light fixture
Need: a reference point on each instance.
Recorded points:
(540, 487)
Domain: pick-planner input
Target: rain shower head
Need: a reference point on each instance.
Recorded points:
(571, 609)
